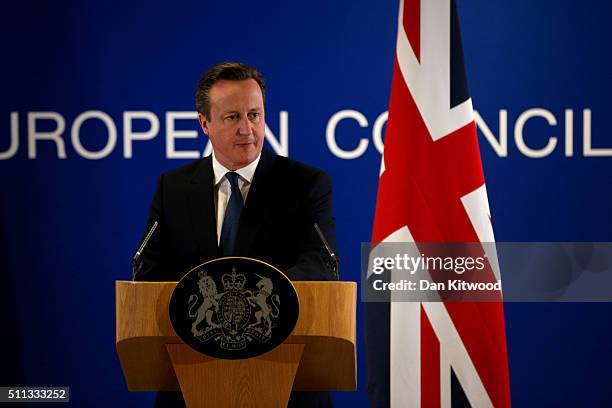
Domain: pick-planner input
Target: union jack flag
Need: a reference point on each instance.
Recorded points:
(432, 189)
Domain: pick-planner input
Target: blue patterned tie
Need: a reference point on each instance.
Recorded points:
(229, 231)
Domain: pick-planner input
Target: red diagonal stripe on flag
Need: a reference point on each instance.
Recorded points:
(412, 23)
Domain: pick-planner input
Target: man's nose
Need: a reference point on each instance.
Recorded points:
(244, 127)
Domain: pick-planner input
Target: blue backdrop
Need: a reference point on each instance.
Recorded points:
(70, 223)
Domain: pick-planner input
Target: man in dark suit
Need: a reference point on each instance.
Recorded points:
(242, 200)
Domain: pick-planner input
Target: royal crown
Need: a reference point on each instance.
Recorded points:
(233, 281)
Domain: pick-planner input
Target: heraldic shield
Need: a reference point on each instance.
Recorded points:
(234, 308)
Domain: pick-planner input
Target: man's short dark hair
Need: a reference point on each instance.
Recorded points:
(232, 71)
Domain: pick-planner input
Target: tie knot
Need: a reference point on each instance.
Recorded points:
(232, 178)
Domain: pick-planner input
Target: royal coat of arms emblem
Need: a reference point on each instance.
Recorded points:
(234, 308)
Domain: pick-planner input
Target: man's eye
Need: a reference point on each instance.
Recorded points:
(231, 117)
(254, 115)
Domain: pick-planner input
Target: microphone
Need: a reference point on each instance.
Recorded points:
(136, 262)
(335, 260)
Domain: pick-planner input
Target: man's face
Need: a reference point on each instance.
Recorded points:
(236, 125)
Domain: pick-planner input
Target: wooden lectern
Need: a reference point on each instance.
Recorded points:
(318, 356)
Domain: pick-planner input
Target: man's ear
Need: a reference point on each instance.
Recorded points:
(203, 123)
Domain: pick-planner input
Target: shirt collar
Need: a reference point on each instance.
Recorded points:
(246, 173)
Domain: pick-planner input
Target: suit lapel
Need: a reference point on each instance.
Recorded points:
(256, 207)
(202, 210)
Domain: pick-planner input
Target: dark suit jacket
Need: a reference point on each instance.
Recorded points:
(285, 199)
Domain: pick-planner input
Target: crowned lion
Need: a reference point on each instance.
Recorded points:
(208, 290)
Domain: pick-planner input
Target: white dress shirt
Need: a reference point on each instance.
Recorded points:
(223, 190)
